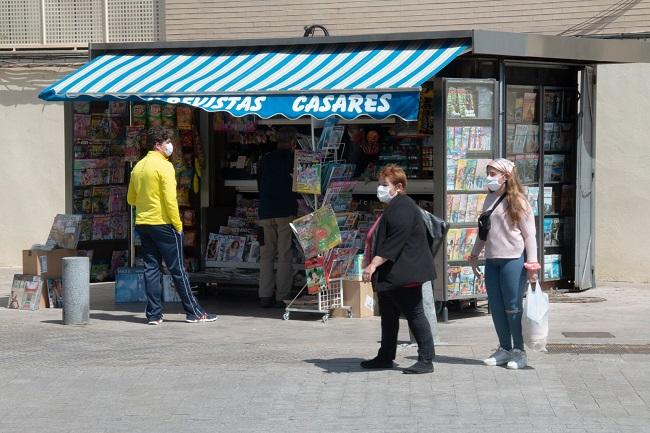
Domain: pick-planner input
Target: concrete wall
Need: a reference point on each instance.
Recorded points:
(623, 173)
(31, 147)
(234, 19)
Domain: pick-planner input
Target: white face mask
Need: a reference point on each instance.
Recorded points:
(383, 194)
(493, 183)
(168, 148)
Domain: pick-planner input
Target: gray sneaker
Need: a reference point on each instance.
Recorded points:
(500, 357)
(518, 361)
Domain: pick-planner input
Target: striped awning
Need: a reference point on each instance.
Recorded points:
(349, 80)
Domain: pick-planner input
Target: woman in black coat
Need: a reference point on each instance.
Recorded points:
(399, 261)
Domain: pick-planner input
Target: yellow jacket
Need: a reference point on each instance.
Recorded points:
(152, 190)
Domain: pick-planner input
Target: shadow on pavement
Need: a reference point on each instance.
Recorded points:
(339, 365)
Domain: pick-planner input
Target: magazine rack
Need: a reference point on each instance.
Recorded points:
(330, 294)
(326, 300)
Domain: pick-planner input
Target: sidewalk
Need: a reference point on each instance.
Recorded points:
(253, 372)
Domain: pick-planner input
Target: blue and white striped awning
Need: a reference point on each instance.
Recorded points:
(349, 80)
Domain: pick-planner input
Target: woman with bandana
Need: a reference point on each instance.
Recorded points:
(510, 259)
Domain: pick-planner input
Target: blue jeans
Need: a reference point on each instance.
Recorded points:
(163, 242)
(505, 280)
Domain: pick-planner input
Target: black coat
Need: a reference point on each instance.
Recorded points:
(277, 200)
(401, 238)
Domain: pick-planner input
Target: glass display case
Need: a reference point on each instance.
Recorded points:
(466, 140)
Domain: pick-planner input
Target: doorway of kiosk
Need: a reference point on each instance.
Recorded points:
(235, 147)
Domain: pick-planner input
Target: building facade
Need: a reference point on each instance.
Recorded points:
(623, 94)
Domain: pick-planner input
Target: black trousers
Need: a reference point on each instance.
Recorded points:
(407, 301)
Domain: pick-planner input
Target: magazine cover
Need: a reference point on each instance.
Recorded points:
(102, 228)
(347, 220)
(81, 125)
(130, 285)
(453, 281)
(132, 143)
(328, 128)
(338, 261)
(65, 231)
(315, 275)
(81, 107)
(54, 293)
(139, 115)
(529, 106)
(233, 248)
(466, 281)
(317, 231)
(183, 117)
(253, 255)
(25, 292)
(533, 199)
(339, 195)
(154, 115)
(168, 116)
(119, 258)
(212, 249)
(307, 172)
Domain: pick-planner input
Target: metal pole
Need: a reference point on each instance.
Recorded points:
(43, 28)
(76, 290)
(313, 148)
(106, 21)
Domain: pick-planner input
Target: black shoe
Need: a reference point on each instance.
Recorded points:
(377, 363)
(419, 367)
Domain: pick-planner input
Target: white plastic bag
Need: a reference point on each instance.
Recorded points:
(534, 320)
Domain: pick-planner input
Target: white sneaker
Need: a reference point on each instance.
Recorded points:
(500, 357)
(518, 361)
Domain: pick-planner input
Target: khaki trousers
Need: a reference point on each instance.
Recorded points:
(276, 249)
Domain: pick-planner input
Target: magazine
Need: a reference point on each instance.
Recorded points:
(529, 106)
(133, 143)
(212, 249)
(552, 232)
(25, 292)
(183, 117)
(54, 293)
(154, 115)
(338, 261)
(532, 194)
(339, 195)
(65, 231)
(317, 232)
(315, 275)
(253, 254)
(307, 172)
(119, 258)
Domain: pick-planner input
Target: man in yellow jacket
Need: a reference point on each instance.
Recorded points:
(152, 190)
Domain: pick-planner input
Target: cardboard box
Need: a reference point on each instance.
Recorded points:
(360, 298)
(46, 264)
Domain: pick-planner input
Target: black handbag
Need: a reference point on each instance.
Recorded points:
(484, 220)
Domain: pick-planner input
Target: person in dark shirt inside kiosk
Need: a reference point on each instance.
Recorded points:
(278, 207)
(399, 261)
